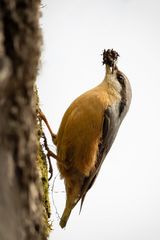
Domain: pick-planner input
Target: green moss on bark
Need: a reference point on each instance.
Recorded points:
(43, 168)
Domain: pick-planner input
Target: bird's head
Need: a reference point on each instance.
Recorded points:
(113, 74)
(110, 58)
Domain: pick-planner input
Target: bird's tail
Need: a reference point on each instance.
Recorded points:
(71, 202)
(73, 195)
(65, 217)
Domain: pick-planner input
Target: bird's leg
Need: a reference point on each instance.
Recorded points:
(50, 167)
(49, 154)
(43, 117)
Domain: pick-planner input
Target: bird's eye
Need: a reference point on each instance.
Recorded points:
(120, 78)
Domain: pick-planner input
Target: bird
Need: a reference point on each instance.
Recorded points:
(87, 131)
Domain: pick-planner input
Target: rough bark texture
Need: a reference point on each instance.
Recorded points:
(20, 194)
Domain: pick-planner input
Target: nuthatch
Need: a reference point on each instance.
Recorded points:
(87, 131)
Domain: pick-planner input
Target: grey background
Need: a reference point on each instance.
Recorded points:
(124, 203)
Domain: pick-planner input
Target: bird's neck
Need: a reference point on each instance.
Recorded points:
(110, 75)
(110, 80)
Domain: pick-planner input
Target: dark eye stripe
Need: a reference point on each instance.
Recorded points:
(122, 104)
(120, 79)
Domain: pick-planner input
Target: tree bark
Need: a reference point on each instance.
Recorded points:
(21, 211)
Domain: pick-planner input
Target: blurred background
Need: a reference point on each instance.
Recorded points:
(124, 201)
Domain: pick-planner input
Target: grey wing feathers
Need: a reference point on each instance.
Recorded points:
(108, 135)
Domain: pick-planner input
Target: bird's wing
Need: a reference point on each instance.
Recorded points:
(109, 131)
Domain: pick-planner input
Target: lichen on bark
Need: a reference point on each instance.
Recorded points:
(42, 166)
(21, 208)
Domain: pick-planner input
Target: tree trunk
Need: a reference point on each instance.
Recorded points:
(21, 210)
